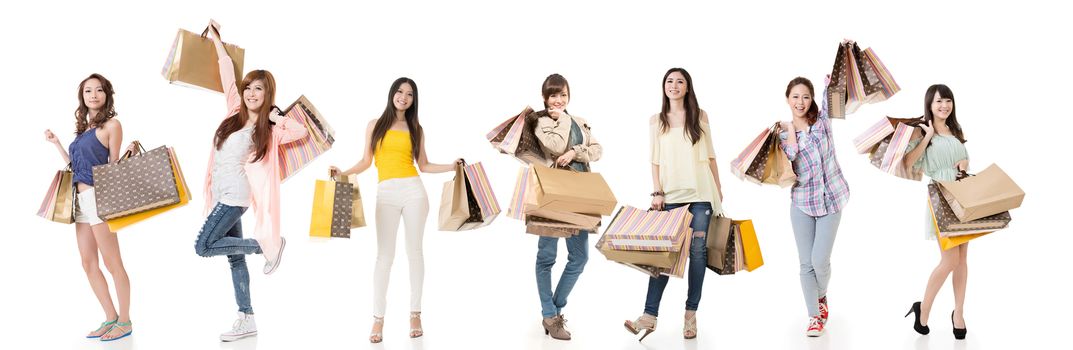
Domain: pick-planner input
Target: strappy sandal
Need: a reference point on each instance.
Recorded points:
(689, 330)
(119, 326)
(646, 323)
(376, 337)
(415, 332)
(105, 326)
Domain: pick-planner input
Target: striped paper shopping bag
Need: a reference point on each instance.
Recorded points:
(644, 230)
(320, 136)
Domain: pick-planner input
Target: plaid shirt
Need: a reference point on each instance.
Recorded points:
(820, 187)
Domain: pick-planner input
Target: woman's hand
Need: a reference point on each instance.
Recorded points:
(556, 113)
(50, 137)
(929, 130)
(334, 170)
(787, 125)
(657, 203)
(566, 158)
(962, 165)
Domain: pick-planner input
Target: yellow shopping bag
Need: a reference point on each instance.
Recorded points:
(951, 241)
(749, 243)
(320, 225)
(119, 223)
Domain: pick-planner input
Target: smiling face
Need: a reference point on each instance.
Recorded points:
(93, 94)
(675, 87)
(941, 107)
(254, 95)
(800, 100)
(558, 100)
(403, 97)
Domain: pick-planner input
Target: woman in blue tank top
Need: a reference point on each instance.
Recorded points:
(98, 136)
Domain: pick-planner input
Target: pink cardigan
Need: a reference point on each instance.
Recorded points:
(263, 176)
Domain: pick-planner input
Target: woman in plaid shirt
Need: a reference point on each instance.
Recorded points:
(818, 196)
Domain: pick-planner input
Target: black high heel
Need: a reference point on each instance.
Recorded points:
(915, 309)
(959, 333)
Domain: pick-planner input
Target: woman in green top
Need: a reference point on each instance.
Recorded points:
(942, 159)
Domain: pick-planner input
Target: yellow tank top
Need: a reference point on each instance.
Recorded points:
(394, 158)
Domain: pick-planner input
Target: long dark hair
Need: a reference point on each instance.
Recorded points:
(388, 118)
(813, 110)
(262, 132)
(107, 111)
(692, 127)
(952, 120)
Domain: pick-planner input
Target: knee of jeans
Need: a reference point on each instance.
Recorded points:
(807, 269)
(201, 250)
(577, 261)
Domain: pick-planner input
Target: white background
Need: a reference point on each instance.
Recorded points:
(475, 65)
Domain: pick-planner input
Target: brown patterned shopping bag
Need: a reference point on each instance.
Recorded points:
(134, 184)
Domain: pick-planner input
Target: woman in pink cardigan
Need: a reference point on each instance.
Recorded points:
(244, 172)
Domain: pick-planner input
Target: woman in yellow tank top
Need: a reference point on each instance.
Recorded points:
(394, 142)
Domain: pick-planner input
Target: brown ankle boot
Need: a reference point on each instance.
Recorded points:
(556, 327)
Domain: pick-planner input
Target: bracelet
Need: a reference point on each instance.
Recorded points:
(657, 193)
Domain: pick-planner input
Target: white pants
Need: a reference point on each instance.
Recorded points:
(403, 197)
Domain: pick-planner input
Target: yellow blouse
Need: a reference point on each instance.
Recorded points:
(394, 158)
(684, 168)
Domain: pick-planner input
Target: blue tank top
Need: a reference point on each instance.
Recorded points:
(86, 151)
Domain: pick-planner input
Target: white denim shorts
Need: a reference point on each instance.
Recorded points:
(86, 208)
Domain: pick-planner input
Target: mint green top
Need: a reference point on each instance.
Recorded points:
(938, 163)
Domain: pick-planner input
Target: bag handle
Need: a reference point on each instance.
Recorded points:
(130, 153)
(215, 27)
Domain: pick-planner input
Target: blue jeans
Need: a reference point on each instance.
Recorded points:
(698, 260)
(547, 248)
(222, 235)
(815, 238)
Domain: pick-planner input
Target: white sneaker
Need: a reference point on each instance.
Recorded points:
(244, 326)
(272, 264)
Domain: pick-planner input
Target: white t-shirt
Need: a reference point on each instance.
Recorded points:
(229, 183)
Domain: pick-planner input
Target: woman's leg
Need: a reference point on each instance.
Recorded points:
(826, 230)
(87, 248)
(577, 247)
(108, 245)
(698, 252)
(547, 249)
(961, 279)
(240, 273)
(414, 214)
(387, 225)
(804, 227)
(213, 239)
(950, 259)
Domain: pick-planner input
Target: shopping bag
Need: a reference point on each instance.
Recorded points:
(649, 230)
(720, 244)
(192, 61)
(571, 191)
(59, 203)
(122, 222)
(334, 210)
(467, 201)
(749, 244)
(295, 155)
(987, 193)
(134, 184)
(948, 225)
(514, 137)
(886, 144)
(745, 165)
(778, 170)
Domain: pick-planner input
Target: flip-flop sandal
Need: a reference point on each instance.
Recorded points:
(124, 335)
(104, 325)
